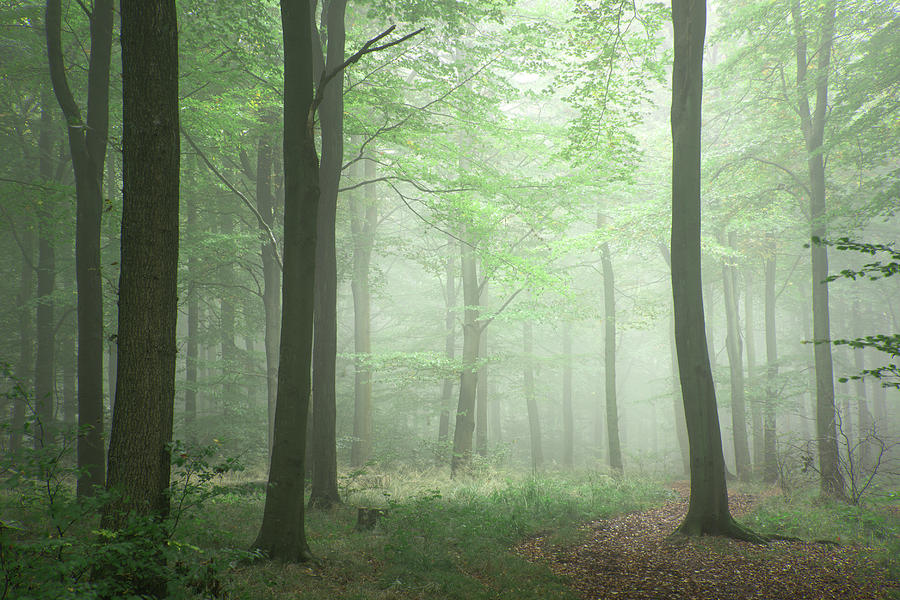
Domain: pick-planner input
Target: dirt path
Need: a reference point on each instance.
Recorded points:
(631, 558)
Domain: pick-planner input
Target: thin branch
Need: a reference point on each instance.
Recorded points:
(244, 199)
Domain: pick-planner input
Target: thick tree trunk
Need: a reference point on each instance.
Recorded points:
(708, 508)
(468, 380)
(568, 457)
(770, 472)
(609, 355)
(813, 126)
(481, 394)
(282, 534)
(363, 221)
(139, 466)
(736, 364)
(677, 404)
(449, 344)
(534, 417)
(324, 491)
(87, 145)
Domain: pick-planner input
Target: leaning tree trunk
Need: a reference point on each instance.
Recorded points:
(812, 124)
(736, 364)
(139, 466)
(87, 146)
(282, 534)
(363, 221)
(468, 380)
(770, 472)
(609, 354)
(534, 417)
(708, 508)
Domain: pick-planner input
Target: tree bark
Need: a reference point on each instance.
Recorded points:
(229, 356)
(87, 145)
(324, 491)
(770, 472)
(756, 407)
(609, 357)
(708, 507)
(534, 417)
(282, 535)
(568, 458)
(864, 417)
(677, 404)
(813, 126)
(139, 462)
(363, 221)
(736, 364)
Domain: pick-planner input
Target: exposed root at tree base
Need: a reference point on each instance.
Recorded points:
(635, 557)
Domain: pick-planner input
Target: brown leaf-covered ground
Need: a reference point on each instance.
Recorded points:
(632, 557)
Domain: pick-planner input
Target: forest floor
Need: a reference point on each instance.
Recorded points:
(633, 557)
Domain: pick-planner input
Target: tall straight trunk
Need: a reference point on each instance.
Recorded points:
(69, 397)
(677, 404)
(468, 380)
(282, 534)
(568, 458)
(494, 420)
(324, 491)
(756, 407)
(112, 367)
(363, 221)
(265, 205)
(44, 368)
(87, 146)
(481, 394)
(770, 472)
(812, 124)
(534, 417)
(139, 462)
(863, 416)
(229, 355)
(609, 356)
(708, 508)
(25, 314)
(736, 364)
(879, 400)
(193, 326)
(449, 343)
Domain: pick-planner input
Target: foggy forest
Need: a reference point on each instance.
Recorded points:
(396, 299)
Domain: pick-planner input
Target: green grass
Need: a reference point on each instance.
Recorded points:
(440, 538)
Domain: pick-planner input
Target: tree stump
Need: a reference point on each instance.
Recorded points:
(367, 518)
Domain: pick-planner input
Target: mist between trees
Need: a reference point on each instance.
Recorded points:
(340, 238)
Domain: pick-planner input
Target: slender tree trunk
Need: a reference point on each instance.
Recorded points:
(770, 472)
(25, 313)
(69, 397)
(449, 344)
(708, 508)
(756, 407)
(534, 417)
(609, 354)
(813, 126)
(864, 417)
(735, 362)
(363, 221)
(324, 491)
(139, 462)
(468, 381)
(481, 400)
(229, 359)
(568, 458)
(265, 205)
(44, 369)
(282, 534)
(193, 325)
(87, 145)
